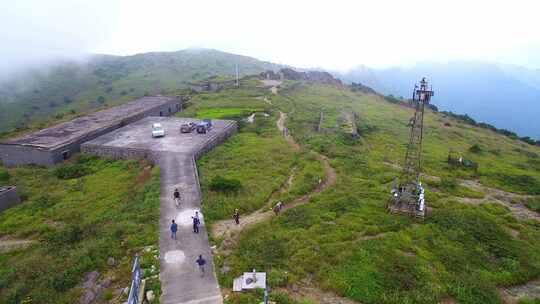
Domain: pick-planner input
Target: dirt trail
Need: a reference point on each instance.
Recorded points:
(511, 295)
(7, 245)
(273, 84)
(492, 195)
(229, 230)
(508, 199)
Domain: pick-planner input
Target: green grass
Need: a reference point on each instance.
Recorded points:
(226, 113)
(111, 211)
(348, 243)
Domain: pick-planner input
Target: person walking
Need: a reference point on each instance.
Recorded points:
(201, 262)
(174, 228)
(236, 216)
(277, 207)
(196, 223)
(176, 196)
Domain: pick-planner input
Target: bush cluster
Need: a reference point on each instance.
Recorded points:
(222, 184)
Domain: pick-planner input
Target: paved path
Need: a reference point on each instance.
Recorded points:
(181, 280)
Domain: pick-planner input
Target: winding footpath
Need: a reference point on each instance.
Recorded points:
(230, 231)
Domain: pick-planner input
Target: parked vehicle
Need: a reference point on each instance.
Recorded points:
(188, 128)
(157, 130)
(204, 126)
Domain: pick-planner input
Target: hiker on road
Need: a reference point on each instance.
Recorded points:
(196, 222)
(201, 262)
(176, 196)
(236, 216)
(174, 228)
(277, 208)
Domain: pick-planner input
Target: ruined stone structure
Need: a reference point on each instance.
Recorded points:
(52, 145)
(212, 86)
(8, 197)
(309, 76)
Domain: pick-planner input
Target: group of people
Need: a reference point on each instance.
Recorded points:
(196, 223)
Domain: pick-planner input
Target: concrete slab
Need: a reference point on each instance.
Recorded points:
(138, 135)
(181, 280)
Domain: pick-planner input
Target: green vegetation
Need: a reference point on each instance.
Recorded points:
(533, 204)
(344, 239)
(77, 222)
(219, 183)
(42, 97)
(257, 157)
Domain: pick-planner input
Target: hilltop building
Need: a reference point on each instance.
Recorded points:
(57, 143)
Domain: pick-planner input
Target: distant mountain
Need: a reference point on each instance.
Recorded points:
(505, 96)
(41, 93)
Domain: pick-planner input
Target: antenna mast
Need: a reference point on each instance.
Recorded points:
(408, 197)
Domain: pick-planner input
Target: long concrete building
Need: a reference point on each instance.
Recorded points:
(57, 143)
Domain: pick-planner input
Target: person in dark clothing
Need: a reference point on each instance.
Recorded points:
(174, 228)
(196, 223)
(201, 262)
(176, 196)
(236, 217)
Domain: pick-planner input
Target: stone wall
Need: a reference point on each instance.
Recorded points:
(8, 197)
(119, 152)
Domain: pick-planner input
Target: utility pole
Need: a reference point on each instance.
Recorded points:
(237, 77)
(408, 197)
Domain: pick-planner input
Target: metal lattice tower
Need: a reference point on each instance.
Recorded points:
(408, 197)
(413, 158)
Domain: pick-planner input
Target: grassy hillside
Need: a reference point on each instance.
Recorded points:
(74, 218)
(66, 89)
(345, 242)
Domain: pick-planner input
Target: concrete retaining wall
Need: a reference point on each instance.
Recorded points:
(119, 153)
(8, 197)
(217, 139)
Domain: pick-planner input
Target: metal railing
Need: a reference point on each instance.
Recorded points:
(133, 297)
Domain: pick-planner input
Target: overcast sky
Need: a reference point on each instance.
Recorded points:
(330, 34)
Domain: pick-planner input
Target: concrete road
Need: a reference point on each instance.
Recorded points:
(181, 280)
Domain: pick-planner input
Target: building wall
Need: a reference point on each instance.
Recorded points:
(9, 198)
(15, 155)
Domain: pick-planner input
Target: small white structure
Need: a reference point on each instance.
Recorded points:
(250, 280)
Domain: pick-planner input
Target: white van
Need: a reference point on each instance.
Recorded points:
(157, 130)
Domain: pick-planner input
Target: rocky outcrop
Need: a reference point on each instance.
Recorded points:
(310, 76)
(92, 287)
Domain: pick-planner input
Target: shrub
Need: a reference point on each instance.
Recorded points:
(223, 184)
(71, 171)
(101, 99)
(4, 176)
(533, 205)
(475, 149)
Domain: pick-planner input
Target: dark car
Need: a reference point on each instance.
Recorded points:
(187, 128)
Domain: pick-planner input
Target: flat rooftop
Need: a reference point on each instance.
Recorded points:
(72, 130)
(138, 135)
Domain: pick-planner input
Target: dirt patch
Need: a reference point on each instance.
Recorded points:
(511, 200)
(511, 295)
(144, 176)
(310, 292)
(7, 245)
(272, 84)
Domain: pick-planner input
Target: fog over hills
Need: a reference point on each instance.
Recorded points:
(69, 86)
(505, 96)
